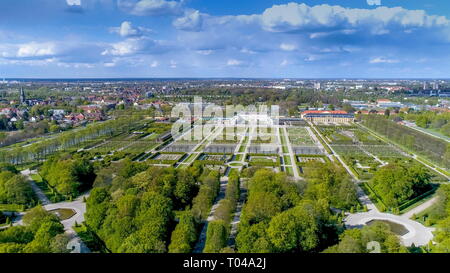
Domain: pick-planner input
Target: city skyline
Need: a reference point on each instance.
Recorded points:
(204, 39)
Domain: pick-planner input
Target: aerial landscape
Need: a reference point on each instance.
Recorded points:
(206, 127)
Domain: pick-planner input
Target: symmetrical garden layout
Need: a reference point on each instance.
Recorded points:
(245, 140)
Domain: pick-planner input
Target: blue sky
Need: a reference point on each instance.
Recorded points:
(212, 38)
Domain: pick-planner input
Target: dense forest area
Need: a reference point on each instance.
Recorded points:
(285, 216)
(435, 149)
(136, 209)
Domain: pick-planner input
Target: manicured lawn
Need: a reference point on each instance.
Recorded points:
(287, 160)
(289, 171)
(299, 136)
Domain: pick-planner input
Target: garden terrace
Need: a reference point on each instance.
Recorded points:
(299, 136)
(264, 160)
(265, 139)
(305, 159)
(215, 157)
(226, 138)
(263, 149)
(180, 147)
(311, 150)
(221, 148)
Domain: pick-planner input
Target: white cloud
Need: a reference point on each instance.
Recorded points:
(154, 64)
(191, 21)
(127, 30)
(374, 2)
(112, 64)
(173, 64)
(73, 2)
(151, 7)
(132, 46)
(296, 17)
(247, 51)
(288, 47)
(205, 52)
(379, 60)
(234, 62)
(34, 49)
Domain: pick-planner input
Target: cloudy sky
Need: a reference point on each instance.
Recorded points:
(226, 38)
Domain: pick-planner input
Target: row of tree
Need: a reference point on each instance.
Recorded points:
(433, 148)
(219, 230)
(66, 140)
(190, 222)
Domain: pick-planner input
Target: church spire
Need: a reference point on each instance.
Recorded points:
(22, 98)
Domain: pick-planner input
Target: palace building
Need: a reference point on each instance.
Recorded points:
(328, 117)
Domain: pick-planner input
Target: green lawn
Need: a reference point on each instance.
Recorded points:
(289, 171)
(287, 160)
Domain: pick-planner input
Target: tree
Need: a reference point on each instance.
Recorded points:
(356, 240)
(185, 188)
(97, 206)
(184, 235)
(216, 237)
(295, 229)
(397, 183)
(37, 216)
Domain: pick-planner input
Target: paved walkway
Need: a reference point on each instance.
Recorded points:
(418, 234)
(237, 216)
(202, 238)
(39, 193)
(80, 209)
(420, 208)
(291, 154)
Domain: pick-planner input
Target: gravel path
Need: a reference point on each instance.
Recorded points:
(39, 193)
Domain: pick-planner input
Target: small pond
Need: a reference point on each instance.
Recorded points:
(63, 214)
(397, 228)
